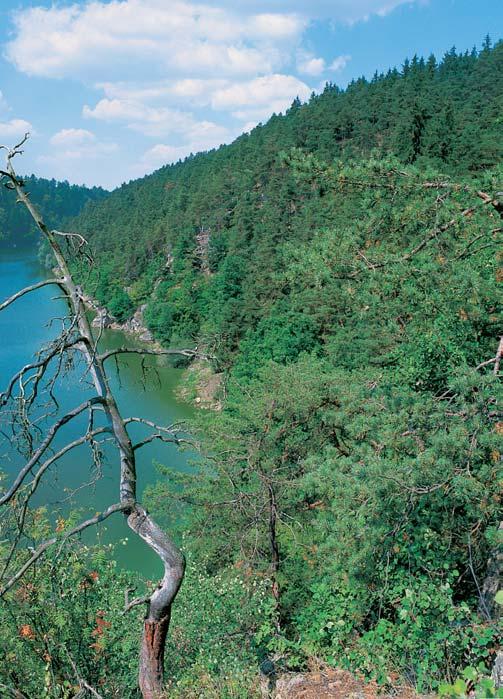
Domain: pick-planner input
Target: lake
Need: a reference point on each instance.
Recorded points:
(24, 327)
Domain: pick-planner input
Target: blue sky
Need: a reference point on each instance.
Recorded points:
(113, 89)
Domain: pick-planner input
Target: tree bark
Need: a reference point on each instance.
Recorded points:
(152, 650)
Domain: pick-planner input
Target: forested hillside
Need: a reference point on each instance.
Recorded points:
(57, 201)
(342, 266)
(445, 116)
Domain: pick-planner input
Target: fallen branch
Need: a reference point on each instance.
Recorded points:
(138, 350)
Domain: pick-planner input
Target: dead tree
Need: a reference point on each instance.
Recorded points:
(24, 391)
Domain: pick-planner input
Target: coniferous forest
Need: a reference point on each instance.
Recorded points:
(58, 201)
(340, 269)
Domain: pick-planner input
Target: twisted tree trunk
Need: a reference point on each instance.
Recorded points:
(159, 603)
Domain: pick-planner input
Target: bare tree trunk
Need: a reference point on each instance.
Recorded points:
(159, 603)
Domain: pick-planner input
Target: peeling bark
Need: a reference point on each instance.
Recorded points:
(151, 651)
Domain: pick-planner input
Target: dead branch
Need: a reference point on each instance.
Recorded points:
(497, 359)
(130, 604)
(84, 686)
(40, 366)
(45, 445)
(155, 352)
(42, 548)
(27, 290)
(159, 603)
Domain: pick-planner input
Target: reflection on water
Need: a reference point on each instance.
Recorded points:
(24, 327)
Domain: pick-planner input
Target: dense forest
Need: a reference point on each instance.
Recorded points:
(57, 201)
(341, 267)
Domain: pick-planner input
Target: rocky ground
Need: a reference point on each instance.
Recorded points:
(329, 683)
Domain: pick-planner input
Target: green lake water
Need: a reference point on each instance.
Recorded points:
(24, 327)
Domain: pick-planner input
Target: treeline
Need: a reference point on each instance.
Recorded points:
(341, 264)
(57, 201)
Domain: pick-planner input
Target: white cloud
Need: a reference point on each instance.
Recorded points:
(181, 72)
(113, 110)
(128, 36)
(196, 91)
(162, 154)
(256, 99)
(204, 136)
(156, 121)
(310, 65)
(72, 137)
(13, 130)
(249, 126)
(339, 63)
(276, 26)
(179, 37)
(73, 144)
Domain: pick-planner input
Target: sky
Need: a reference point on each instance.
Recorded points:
(111, 90)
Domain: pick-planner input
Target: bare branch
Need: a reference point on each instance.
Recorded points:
(45, 444)
(155, 352)
(162, 438)
(75, 236)
(128, 605)
(58, 349)
(159, 604)
(82, 683)
(27, 290)
(497, 359)
(163, 434)
(42, 548)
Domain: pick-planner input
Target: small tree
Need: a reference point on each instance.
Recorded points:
(41, 452)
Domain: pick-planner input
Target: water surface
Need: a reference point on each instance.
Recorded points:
(24, 327)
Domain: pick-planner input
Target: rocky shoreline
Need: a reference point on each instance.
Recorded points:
(200, 385)
(133, 326)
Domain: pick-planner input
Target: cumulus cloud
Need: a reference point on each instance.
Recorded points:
(204, 136)
(72, 137)
(341, 11)
(163, 154)
(76, 144)
(193, 91)
(154, 121)
(339, 63)
(176, 37)
(308, 64)
(14, 129)
(257, 98)
(189, 74)
(247, 101)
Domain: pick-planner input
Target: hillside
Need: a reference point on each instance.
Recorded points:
(57, 201)
(445, 116)
(342, 267)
